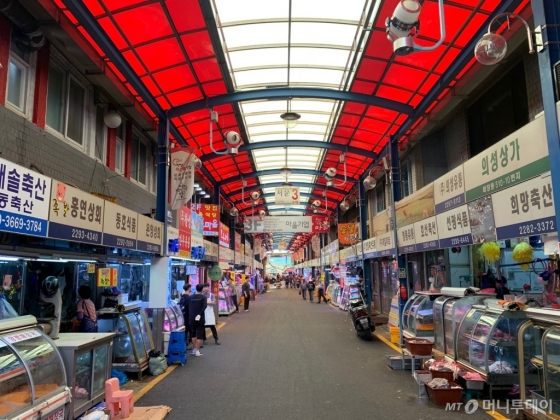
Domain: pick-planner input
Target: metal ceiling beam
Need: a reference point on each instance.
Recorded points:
(295, 171)
(298, 143)
(456, 67)
(281, 184)
(287, 93)
(302, 195)
(94, 29)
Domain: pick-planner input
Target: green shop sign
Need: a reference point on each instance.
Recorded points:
(518, 157)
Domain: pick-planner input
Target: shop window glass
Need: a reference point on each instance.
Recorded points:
(55, 99)
(380, 197)
(76, 110)
(100, 131)
(16, 83)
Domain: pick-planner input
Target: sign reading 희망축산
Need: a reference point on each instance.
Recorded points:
(24, 200)
(75, 215)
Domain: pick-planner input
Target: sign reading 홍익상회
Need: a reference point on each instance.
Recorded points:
(525, 209)
(454, 228)
(24, 200)
(75, 215)
(120, 226)
(516, 158)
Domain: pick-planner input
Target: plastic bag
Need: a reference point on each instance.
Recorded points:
(96, 415)
(121, 376)
(158, 365)
(6, 309)
(439, 383)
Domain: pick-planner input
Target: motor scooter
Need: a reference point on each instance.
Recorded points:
(357, 310)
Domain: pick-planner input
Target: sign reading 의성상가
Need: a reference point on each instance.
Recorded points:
(24, 200)
(120, 227)
(75, 215)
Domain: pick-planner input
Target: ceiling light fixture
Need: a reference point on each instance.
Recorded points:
(290, 118)
(112, 119)
(285, 171)
(492, 47)
(206, 195)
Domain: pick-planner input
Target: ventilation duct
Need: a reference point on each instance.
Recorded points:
(28, 35)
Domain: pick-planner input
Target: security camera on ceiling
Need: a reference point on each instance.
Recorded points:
(233, 139)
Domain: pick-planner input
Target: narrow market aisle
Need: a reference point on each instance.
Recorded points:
(290, 359)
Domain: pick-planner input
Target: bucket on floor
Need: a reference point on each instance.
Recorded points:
(395, 335)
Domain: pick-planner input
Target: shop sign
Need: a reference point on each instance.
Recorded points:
(315, 243)
(150, 234)
(172, 233)
(247, 248)
(348, 233)
(417, 206)
(196, 241)
(182, 176)
(21, 336)
(287, 224)
(107, 277)
(75, 215)
(185, 231)
(386, 245)
(211, 216)
(120, 226)
(526, 209)
(426, 234)
(449, 190)
(224, 235)
(197, 224)
(518, 157)
(24, 200)
(56, 415)
(91, 268)
(407, 241)
(358, 250)
(237, 242)
(286, 196)
(454, 228)
(237, 259)
(211, 253)
(369, 248)
(481, 219)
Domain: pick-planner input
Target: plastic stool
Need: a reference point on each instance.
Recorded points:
(177, 350)
(174, 356)
(115, 397)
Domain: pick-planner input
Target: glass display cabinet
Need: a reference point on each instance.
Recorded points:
(133, 340)
(87, 360)
(487, 343)
(418, 315)
(333, 292)
(32, 374)
(349, 290)
(439, 335)
(163, 322)
(539, 353)
(225, 303)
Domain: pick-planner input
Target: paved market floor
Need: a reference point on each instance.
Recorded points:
(289, 359)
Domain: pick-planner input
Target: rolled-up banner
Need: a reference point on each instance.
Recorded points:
(459, 291)
(183, 169)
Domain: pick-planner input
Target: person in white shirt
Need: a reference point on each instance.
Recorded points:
(209, 317)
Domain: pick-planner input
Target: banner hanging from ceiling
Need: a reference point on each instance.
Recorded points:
(348, 233)
(286, 196)
(182, 176)
(287, 224)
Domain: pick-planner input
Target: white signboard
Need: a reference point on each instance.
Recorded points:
(407, 241)
(516, 158)
(120, 226)
(386, 244)
(196, 241)
(237, 258)
(426, 234)
(182, 176)
(526, 209)
(449, 190)
(75, 215)
(150, 234)
(454, 228)
(293, 224)
(24, 200)
(369, 248)
(286, 196)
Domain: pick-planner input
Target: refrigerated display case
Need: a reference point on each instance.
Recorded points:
(225, 303)
(32, 375)
(418, 315)
(448, 314)
(539, 381)
(87, 361)
(335, 293)
(487, 343)
(349, 292)
(133, 340)
(163, 322)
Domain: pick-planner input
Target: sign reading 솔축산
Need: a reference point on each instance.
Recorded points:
(525, 209)
(449, 190)
(407, 239)
(75, 215)
(119, 226)
(286, 196)
(150, 234)
(516, 158)
(426, 234)
(24, 200)
(454, 227)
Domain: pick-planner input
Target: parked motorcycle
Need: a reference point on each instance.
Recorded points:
(357, 310)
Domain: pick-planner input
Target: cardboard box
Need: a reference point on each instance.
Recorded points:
(148, 413)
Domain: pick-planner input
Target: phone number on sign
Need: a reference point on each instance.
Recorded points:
(14, 222)
(82, 234)
(125, 242)
(547, 226)
(461, 240)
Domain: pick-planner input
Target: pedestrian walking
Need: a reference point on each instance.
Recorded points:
(233, 293)
(197, 305)
(321, 291)
(246, 291)
(311, 289)
(209, 317)
(303, 288)
(184, 305)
